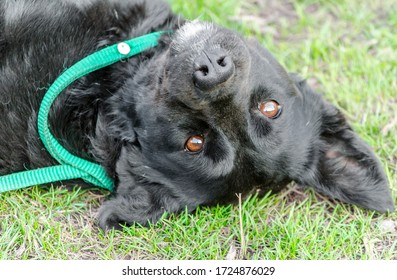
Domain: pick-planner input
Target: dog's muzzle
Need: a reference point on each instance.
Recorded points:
(212, 68)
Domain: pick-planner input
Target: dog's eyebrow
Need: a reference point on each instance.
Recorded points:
(262, 92)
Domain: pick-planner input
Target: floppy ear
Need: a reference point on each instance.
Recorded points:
(124, 119)
(345, 167)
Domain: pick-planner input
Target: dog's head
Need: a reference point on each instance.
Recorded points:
(216, 115)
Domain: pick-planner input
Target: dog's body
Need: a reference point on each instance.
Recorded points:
(183, 124)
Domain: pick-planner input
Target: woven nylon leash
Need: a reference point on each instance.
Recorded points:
(71, 166)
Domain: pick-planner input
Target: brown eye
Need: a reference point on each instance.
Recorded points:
(270, 109)
(194, 143)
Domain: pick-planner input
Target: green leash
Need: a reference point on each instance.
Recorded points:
(71, 166)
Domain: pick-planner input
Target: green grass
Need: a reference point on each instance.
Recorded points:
(347, 50)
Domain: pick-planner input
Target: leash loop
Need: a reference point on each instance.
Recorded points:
(71, 166)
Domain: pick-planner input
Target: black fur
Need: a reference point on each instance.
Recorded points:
(134, 117)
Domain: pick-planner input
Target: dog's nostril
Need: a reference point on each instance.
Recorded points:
(221, 62)
(212, 68)
(204, 70)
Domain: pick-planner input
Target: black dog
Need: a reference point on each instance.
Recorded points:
(201, 117)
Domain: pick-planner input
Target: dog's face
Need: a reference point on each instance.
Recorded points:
(205, 136)
(217, 115)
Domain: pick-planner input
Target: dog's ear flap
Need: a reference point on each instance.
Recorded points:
(123, 129)
(345, 167)
(123, 120)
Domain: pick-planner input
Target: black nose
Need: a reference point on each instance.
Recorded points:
(212, 68)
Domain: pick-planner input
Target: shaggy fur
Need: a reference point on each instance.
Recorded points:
(135, 116)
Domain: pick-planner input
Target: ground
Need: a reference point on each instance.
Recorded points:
(348, 51)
